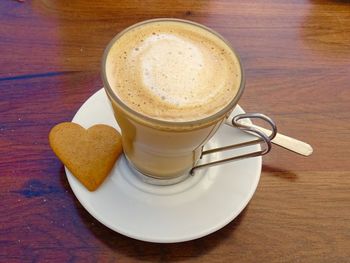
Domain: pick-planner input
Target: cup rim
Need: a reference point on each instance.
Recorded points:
(159, 122)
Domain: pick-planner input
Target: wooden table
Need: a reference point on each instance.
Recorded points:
(297, 60)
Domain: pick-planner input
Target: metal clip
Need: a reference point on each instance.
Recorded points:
(263, 140)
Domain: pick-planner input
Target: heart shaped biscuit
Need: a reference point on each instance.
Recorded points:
(89, 154)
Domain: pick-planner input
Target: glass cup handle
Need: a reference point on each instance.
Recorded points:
(263, 139)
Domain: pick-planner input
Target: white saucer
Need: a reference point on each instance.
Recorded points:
(191, 209)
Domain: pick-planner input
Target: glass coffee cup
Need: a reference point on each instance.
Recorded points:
(163, 128)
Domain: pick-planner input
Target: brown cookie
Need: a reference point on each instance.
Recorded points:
(89, 154)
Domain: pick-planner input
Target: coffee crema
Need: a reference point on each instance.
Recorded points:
(173, 71)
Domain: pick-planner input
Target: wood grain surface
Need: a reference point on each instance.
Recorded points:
(296, 55)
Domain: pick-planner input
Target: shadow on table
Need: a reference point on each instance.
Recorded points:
(280, 172)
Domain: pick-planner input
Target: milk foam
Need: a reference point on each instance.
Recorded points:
(162, 60)
(173, 71)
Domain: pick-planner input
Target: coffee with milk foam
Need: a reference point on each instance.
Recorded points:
(173, 71)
